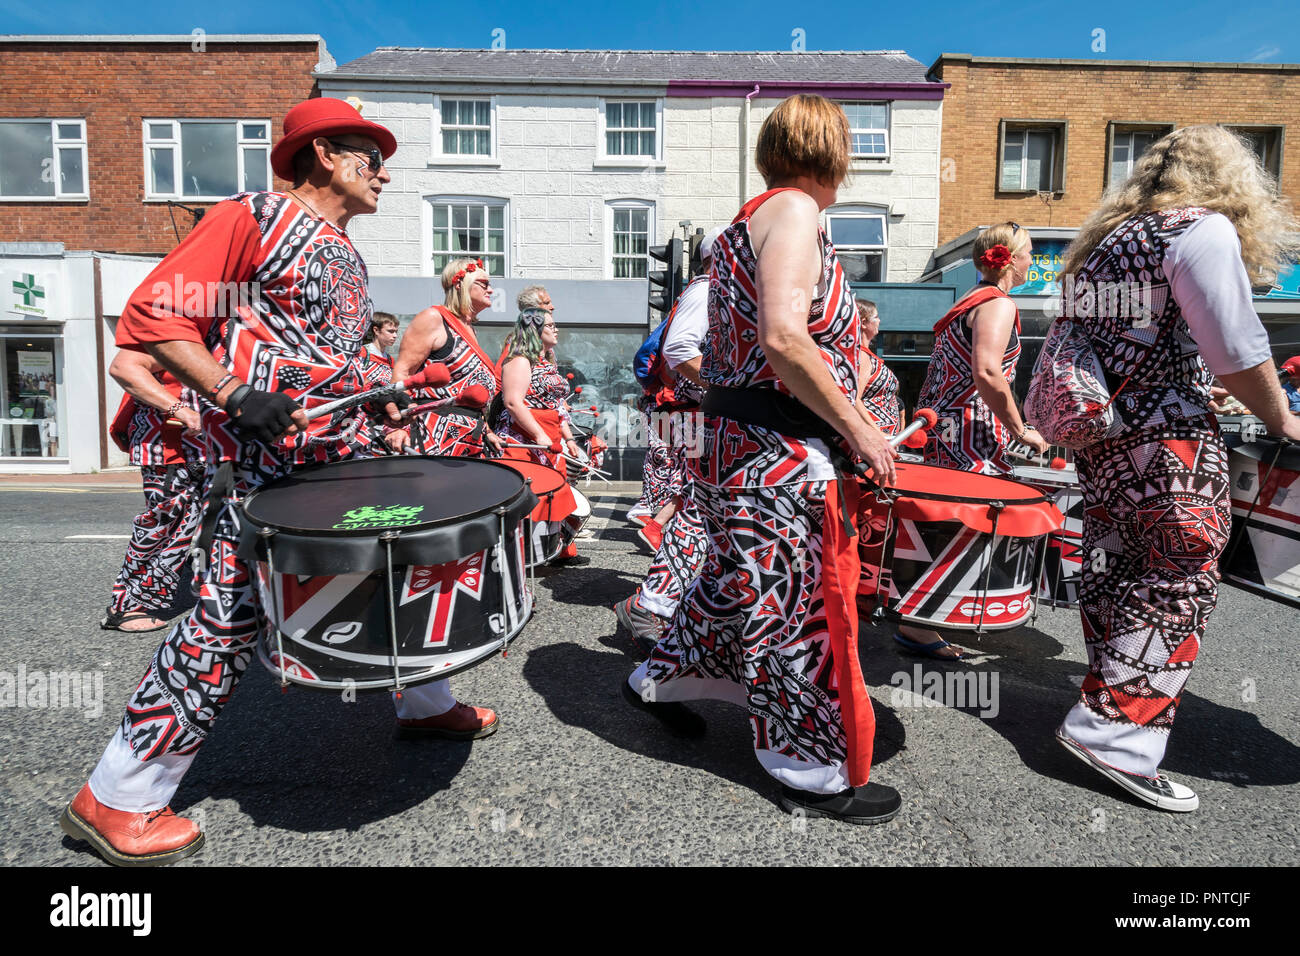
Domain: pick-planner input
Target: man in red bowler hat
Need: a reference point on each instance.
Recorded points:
(292, 342)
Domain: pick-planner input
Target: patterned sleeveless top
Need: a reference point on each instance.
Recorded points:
(547, 388)
(1169, 380)
(967, 436)
(745, 456)
(454, 434)
(301, 334)
(880, 395)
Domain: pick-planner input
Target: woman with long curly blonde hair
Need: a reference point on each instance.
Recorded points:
(1184, 239)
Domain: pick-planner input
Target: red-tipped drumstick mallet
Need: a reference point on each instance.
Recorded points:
(925, 420)
(1057, 463)
(474, 396)
(435, 376)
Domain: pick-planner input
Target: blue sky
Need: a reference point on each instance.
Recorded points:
(1264, 30)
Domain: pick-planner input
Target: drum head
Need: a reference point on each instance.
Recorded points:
(545, 479)
(1264, 450)
(1043, 477)
(346, 516)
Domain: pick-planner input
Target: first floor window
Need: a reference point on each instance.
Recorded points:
(1126, 148)
(868, 129)
(470, 229)
(630, 240)
(206, 159)
(43, 158)
(466, 127)
(1265, 142)
(631, 128)
(1031, 158)
(860, 243)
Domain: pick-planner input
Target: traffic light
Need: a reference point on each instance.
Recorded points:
(666, 283)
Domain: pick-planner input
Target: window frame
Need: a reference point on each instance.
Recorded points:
(651, 226)
(889, 116)
(174, 143)
(1278, 134)
(427, 203)
(440, 158)
(604, 158)
(861, 211)
(55, 145)
(1059, 128)
(1119, 127)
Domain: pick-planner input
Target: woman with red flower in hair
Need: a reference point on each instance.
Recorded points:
(968, 384)
(973, 366)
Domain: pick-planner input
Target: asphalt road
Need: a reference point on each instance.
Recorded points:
(576, 776)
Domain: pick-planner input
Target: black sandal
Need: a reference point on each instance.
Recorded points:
(115, 620)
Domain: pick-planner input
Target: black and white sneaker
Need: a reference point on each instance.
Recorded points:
(1159, 791)
(645, 627)
(873, 803)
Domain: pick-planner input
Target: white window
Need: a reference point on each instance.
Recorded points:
(464, 128)
(632, 130)
(1127, 144)
(206, 159)
(860, 239)
(1032, 156)
(43, 159)
(1265, 142)
(868, 129)
(468, 227)
(629, 225)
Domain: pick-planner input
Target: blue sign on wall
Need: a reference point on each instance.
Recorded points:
(1044, 271)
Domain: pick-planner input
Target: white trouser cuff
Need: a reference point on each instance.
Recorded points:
(424, 700)
(803, 775)
(123, 782)
(1127, 746)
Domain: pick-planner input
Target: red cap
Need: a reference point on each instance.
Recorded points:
(323, 116)
(1292, 366)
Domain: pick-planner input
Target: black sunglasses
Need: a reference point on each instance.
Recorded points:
(1015, 227)
(372, 153)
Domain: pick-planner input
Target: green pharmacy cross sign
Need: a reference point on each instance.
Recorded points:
(29, 292)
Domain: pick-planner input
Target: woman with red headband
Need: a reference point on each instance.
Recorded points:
(445, 334)
(969, 381)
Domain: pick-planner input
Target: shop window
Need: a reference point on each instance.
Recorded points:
(31, 381)
(469, 228)
(1265, 142)
(43, 159)
(860, 239)
(1125, 144)
(1031, 156)
(206, 159)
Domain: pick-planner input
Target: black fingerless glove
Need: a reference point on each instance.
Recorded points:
(376, 406)
(261, 415)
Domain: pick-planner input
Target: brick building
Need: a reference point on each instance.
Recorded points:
(104, 143)
(99, 133)
(1038, 141)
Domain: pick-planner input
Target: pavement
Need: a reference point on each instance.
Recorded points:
(577, 776)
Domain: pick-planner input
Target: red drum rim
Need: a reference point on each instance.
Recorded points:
(556, 501)
(932, 493)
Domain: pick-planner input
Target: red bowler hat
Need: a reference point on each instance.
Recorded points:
(323, 116)
(1292, 366)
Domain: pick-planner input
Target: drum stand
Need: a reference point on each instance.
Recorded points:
(388, 537)
(266, 534)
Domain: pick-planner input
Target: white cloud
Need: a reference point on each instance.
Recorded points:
(1265, 53)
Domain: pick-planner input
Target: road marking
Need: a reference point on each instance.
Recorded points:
(97, 537)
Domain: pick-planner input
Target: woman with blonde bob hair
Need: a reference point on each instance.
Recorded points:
(445, 334)
(1187, 235)
(770, 622)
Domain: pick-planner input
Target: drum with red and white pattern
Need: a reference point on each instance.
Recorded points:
(1063, 562)
(962, 550)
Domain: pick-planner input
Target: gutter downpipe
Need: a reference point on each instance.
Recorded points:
(744, 150)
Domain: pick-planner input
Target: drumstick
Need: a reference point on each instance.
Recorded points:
(923, 422)
(475, 396)
(435, 376)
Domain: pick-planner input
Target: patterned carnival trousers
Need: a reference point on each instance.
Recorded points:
(1157, 516)
(150, 579)
(752, 630)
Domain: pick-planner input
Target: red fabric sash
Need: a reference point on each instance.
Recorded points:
(965, 304)
(840, 571)
(462, 330)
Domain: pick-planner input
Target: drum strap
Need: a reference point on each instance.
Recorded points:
(223, 485)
